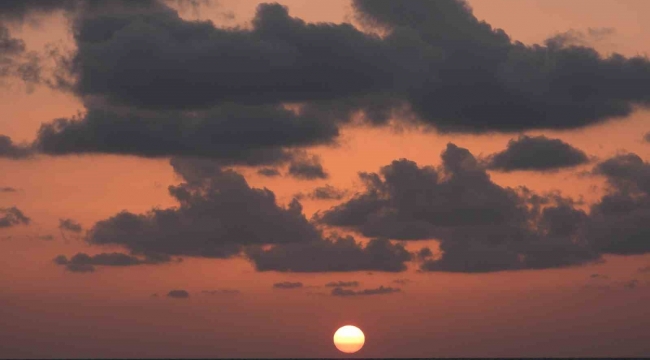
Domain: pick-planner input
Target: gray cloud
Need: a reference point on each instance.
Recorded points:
(82, 262)
(287, 285)
(12, 216)
(178, 294)
(335, 255)
(481, 226)
(232, 134)
(327, 192)
(378, 291)
(342, 284)
(268, 172)
(438, 64)
(537, 153)
(219, 213)
(8, 149)
(70, 225)
(307, 168)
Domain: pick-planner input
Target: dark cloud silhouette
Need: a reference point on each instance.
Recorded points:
(219, 213)
(335, 255)
(378, 291)
(307, 168)
(620, 222)
(8, 149)
(599, 276)
(12, 216)
(18, 10)
(481, 226)
(537, 153)
(327, 192)
(342, 284)
(287, 285)
(484, 81)
(268, 172)
(82, 262)
(178, 294)
(7, 189)
(232, 134)
(70, 225)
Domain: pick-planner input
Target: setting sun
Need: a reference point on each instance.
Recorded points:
(349, 339)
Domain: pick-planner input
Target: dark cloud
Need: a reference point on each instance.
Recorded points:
(219, 213)
(599, 276)
(307, 168)
(275, 61)
(7, 189)
(12, 216)
(178, 294)
(378, 291)
(620, 222)
(327, 192)
(342, 284)
(484, 81)
(287, 285)
(221, 292)
(70, 225)
(82, 262)
(232, 134)
(580, 38)
(18, 10)
(268, 172)
(335, 255)
(13, 151)
(481, 226)
(537, 153)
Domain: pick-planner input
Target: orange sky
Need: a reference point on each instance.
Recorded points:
(48, 312)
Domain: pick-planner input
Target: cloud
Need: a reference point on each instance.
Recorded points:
(378, 291)
(46, 237)
(645, 269)
(484, 81)
(82, 262)
(70, 225)
(480, 225)
(537, 153)
(334, 255)
(342, 284)
(327, 192)
(13, 151)
(307, 168)
(231, 134)
(12, 216)
(218, 214)
(620, 222)
(268, 172)
(178, 294)
(598, 276)
(287, 285)
(437, 65)
(7, 189)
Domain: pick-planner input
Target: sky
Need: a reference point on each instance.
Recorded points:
(240, 179)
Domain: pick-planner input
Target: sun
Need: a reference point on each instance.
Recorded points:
(349, 339)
